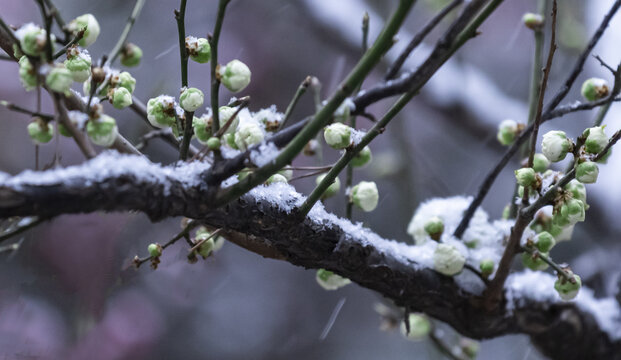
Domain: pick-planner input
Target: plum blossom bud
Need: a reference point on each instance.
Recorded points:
(276, 178)
(596, 140)
(487, 267)
(79, 63)
(573, 211)
(191, 99)
(59, 80)
(533, 21)
(225, 113)
(131, 55)
(102, 131)
(155, 249)
(594, 89)
(534, 261)
(202, 128)
(91, 26)
(40, 132)
(121, 98)
(507, 131)
(419, 327)
(213, 143)
(332, 190)
(555, 145)
(198, 49)
(362, 158)
(33, 39)
(587, 172)
(434, 227)
(248, 134)
(330, 281)
(337, 135)
(124, 79)
(235, 76)
(577, 190)
(365, 195)
(526, 176)
(540, 163)
(544, 241)
(161, 111)
(27, 74)
(567, 289)
(448, 260)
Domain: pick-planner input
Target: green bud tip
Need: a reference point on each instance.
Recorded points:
(594, 89)
(526, 177)
(337, 135)
(155, 249)
(365, 195)
(434, 227)
(544, 242)
(587, 172)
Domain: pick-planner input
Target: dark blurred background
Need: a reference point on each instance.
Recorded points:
(64, 294)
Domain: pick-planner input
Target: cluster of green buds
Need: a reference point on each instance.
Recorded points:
(543, 242)
(419, 327)
(567, 288)
(330, 281)
(594, 89)
(534, 261)
(448, 260)
(89, 24)
(508, 131)
(33, 39)
(117, 87)
(78, 63)
(131, 55)
(365, 195)
(198, 49)
(235, 75)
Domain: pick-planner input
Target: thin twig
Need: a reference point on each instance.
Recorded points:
(183, 53)
(17, 108)
(191, 225)
(298, 94)
(59, 19)
(187, 135)
(418, 38)
(78, 136)
(116, 50)
(230, 120)
(73, 41)
(215, 80)
(201, 242)
(20, 229)
(536, 253)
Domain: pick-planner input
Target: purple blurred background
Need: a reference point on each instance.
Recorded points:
(65, 293)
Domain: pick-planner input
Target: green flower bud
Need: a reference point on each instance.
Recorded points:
(337, 135)
(276, 178)
(487, 267)
(544, 241)
(202, 128)
(155, 249)
(121, 98)
(448, 260)
(235, 76)
(540, 163)
(40, 132)
(191, 99)
(206, 248)
(17, 53)
(102, 131)
(526, 176)
(131, 55)
(594, 89)
(434, 227)
(287, 173)
(198, 48)
(507, 132)
(533, 21)
(362, 158)
(555, 145)
(534, 262)
(332, 190)
(91, 26)
(343, 112)
(224, 114)
(125, 80)
(230, 140)
(568, 290)
(79, 63)
(161, 111)
(248, 134)
(419, 326)
(27, 74)
(596, 140)
(33, 39)
(330, 281)
(365, 195)
(573, 211)
(587, 172)
(59, 80)
(577, 190)
(213, 143)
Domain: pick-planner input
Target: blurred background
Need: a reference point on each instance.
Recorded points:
(65, 294)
